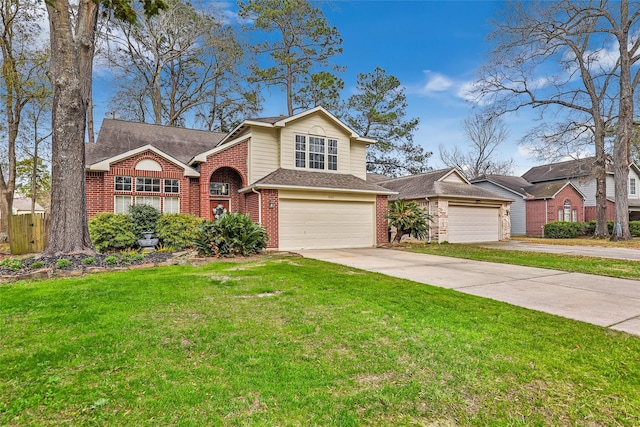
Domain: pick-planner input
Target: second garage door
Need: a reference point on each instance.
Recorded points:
(322, 224)
(469, 224)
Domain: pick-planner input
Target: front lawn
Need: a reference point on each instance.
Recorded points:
(292, 341)
(580, 264)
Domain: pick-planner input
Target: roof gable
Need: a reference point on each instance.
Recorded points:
(104, 165)
(562, 170)
(514, 184)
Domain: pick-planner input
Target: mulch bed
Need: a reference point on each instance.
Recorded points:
(46, 266)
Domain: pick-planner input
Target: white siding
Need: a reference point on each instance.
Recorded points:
(264, 153)
(455, 178)
(304, 126)
(588, 188)
(518, 212)
(358, 160)
(611, 188)
(633, 174)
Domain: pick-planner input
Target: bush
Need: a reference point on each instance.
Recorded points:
(111, 260)
(231, 234)
(564, 229)
(145, 218)
(408, 218)
(88, 260)
(111, 231)
(63, 263)
(36, 265)
(634, 228)
(12, 264)
(178, 231)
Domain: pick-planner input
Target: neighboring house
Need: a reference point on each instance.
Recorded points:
(461, 212)
(536, 204)
(564, 191)
(302, 177)
(22, 206)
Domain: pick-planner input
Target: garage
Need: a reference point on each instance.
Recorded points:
(469, 224)
(323, 224)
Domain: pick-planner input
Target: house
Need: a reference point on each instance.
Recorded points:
(564, 191)
(461, 212)
(536, 204)
(22, 206)
(302, 177)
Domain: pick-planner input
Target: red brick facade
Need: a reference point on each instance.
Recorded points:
(590, 212)
(382, 228)
(270, 205)
(540, 212)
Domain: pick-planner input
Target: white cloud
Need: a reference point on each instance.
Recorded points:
(437, 82)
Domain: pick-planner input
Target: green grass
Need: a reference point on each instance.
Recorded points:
(292, 341)
(580, 264)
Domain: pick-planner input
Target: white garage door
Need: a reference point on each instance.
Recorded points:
(473, 224)
(322, 224)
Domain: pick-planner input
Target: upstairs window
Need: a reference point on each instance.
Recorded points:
(123, 183)
(171, 185)
(301, 151)
(151, 185)
(632, 187)
(318, 153)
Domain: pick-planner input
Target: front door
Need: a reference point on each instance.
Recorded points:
(218, 207)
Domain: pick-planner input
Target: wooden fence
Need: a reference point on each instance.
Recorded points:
(28, 233)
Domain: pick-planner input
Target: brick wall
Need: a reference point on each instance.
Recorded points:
(101, 190)
(194, 196)
(234, 161)
(540, 212)
(590, 212)
(382, 224)
(251, 204)
(270, 216)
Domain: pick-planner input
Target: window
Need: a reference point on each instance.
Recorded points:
(574, 215)
(148, 184)
(332, 155)
(632, 186)
(560, 217)
(322, 153)
(171, 185)
(121, 204)
(219, 189)
(301, 151)
(123, 183)
(149, 200)
(567, 211)
(171, 205)
(316, 153)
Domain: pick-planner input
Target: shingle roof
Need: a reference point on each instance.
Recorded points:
(563, 170)
(118, 136)
(516, 184)
(428, 185)
(544, 190)
(376, 177)
(300, 178)
(270, 120)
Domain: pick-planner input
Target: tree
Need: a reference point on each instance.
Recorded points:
(33, 181)
(72, 30)
(321, 89)
(304, 41)
(485, 135)
(551, 56)
(408, 218)
(178, 62)
(377, 110)
(22, 57)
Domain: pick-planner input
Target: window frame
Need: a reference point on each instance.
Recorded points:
(116, 205)
(301, 151)
(123, 184)
(314, 152)
(223, 185)
(164, 205)
(633, 186)
(169, 183)
(567, 210)
(148, 187)
(141, 200)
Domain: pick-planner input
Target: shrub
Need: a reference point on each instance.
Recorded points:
(63, 263)
(36, 265)
(111, 231)
(111, 260)
(144, 219)
(89, 260)
(564, 229)
(634, 228)
(178, 231)
(407, 218)
(231, 234)
(12, 264)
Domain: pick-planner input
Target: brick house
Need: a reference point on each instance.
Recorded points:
(302, 177)
(564, 191)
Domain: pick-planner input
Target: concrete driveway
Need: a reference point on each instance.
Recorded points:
(592, 251)
(604, 301)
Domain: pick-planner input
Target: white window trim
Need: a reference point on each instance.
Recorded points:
(122, 197)
(115, 183)
(164, 186)
(306, 140)
(633, 189)
(164, 204)
(144, 184)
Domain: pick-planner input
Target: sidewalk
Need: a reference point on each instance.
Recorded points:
(604, 301)
(592, 251)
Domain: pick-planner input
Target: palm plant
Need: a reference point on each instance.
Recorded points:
(408, 218)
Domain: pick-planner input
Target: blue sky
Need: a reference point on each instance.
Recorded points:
(433, 47)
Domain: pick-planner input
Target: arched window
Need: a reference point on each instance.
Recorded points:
(148, 165)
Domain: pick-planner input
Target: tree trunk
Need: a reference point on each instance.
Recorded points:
(602, 229)
(625, 129)
(70, 77)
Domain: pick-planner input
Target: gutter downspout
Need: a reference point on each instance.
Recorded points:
(259, 205)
